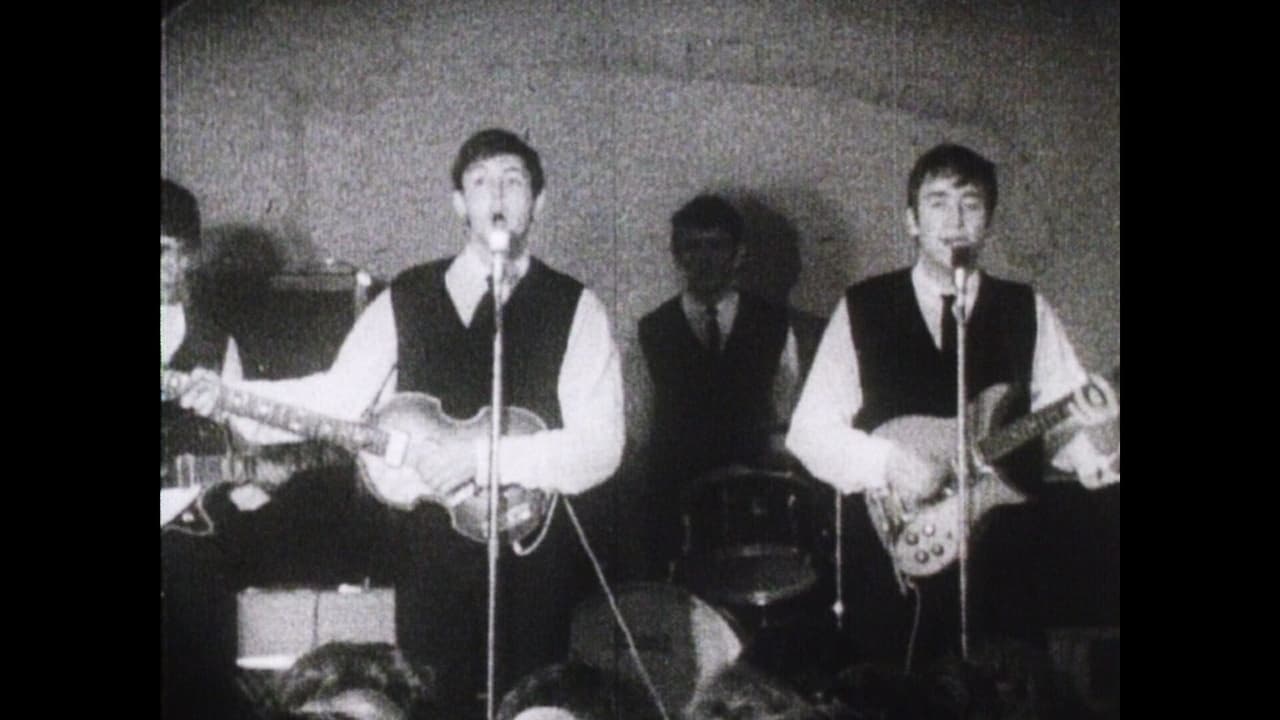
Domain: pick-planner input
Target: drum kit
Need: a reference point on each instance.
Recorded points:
(752, 554)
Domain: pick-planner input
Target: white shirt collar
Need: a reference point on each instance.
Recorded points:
(467, 280)
(696, 312)
(927, 285)
(929, 294)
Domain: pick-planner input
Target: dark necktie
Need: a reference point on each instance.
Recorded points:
(483, 317)
(948, 326)
(713, 330)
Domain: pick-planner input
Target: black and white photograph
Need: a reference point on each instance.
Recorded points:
(640, 359)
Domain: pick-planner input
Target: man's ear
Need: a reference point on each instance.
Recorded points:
(459, 204)
(538, 202)
(913, 227)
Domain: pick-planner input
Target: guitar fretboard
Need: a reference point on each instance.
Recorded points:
(189, 470)
(1027, 428)
(353, 436)
(1015, 434)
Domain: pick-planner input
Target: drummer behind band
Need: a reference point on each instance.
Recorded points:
(880, 358)
(723, 365)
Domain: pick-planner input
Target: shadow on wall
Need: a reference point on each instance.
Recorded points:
(282, 330)
(235, 272)
(772, 265)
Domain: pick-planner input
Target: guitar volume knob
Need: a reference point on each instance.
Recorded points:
(929, 530)
(911, 538)
(922, 556)
(937, 549)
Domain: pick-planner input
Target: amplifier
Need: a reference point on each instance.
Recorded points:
(275, 626)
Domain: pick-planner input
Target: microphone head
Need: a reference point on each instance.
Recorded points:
(963, 256)
(499, 240)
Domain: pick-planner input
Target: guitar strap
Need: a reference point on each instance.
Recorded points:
(367, 415)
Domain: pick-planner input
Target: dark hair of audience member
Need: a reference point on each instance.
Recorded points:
(344, 667)
(741, 692)
(585, 692)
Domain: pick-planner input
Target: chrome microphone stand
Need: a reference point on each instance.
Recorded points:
(499, 246)
(961, 260)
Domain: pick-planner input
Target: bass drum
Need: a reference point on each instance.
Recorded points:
(682, 641)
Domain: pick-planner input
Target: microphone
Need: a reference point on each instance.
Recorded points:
(499, 240)
(962, 261)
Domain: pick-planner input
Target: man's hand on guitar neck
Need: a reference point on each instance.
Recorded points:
(200, 396)
(1096, 410)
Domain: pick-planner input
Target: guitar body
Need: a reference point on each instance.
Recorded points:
(421, 418)
(405, 421)
(186, 478)
(182, 510)
(925, 539)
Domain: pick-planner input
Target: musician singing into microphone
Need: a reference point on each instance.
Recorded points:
(889, 351)
(432, 332)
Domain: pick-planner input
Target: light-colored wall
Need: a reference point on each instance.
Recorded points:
(331, 125)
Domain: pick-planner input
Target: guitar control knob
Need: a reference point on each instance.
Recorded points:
(937, 549)
(929, 530)
(911, 538)
(922, 556)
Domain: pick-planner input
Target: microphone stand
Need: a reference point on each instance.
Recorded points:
(499, 243)
(961, 258)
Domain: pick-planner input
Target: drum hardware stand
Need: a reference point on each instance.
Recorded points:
(838, 606)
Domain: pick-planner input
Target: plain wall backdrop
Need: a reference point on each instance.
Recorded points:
(330, 127)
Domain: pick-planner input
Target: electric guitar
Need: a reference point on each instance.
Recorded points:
(382, 447)
(924, 539)
(185, 478)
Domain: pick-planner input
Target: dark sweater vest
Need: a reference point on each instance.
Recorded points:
(181, 431)
(712, 411)
(440, 356)
(903, 373)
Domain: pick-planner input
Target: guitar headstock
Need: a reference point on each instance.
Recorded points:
(1097, 397)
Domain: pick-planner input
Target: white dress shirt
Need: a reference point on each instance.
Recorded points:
(582, 454)
(822, 435)
(786, 383)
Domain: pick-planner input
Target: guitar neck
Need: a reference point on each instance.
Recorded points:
(1027, 428)
(187, 470)
(1024, 430)
(353, 436)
